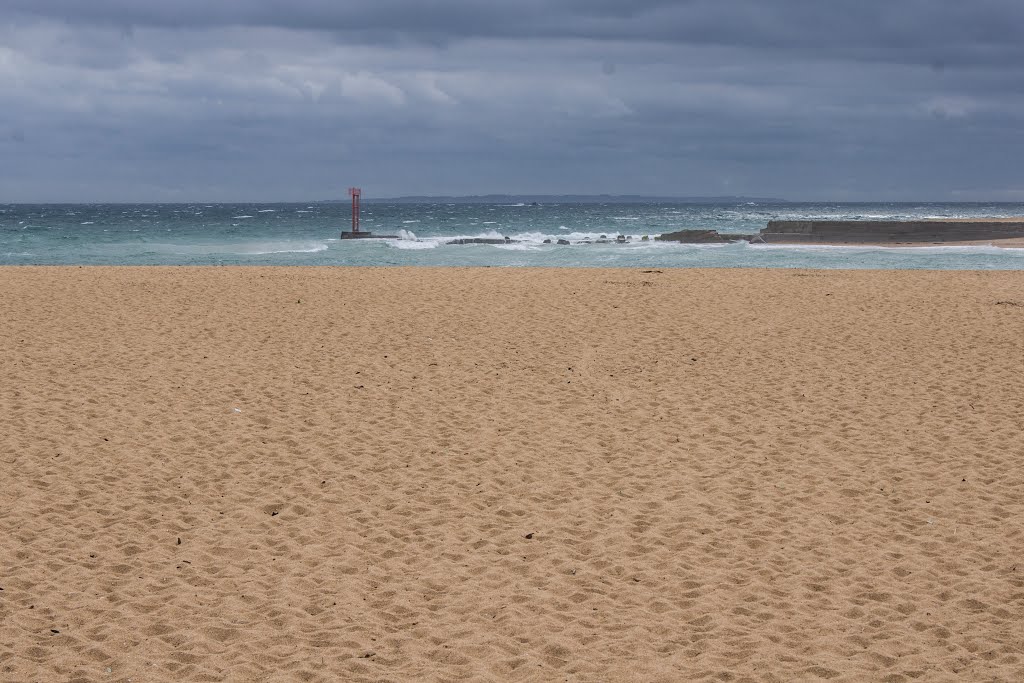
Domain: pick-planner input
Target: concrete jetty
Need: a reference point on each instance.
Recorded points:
(881, 232)
(863, 232)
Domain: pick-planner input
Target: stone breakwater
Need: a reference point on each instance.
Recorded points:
(701, 237)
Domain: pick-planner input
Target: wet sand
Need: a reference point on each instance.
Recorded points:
(317, 474)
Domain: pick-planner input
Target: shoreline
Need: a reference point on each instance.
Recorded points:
(441, 473)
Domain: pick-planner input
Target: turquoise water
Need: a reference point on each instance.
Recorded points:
(307, 234)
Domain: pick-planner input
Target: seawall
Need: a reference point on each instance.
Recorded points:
(891, 231)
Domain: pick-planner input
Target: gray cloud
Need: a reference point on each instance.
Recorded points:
(145, 100)
(869, 29)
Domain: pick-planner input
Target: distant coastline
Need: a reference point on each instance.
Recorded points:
(562, 199)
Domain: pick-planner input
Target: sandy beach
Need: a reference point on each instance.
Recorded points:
(373, 474)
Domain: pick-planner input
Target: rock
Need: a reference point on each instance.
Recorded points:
(563, 241)
(691, 237)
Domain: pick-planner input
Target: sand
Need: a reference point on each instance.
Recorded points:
(274, 474)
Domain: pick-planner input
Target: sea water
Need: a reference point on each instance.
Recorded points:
(308, 234)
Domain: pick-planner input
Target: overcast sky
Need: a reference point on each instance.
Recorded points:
(232, 100)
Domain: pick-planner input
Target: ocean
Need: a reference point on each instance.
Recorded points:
(308, 234)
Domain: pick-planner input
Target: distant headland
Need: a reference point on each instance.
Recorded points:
(566, 199)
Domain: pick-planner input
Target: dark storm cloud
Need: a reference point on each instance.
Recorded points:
(138, 99)
(980, 30)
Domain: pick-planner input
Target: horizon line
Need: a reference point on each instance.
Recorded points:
(522, 196)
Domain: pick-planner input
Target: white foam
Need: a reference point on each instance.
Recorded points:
(87, 223)
(536, 237)
(408, 240)
(668, 244)
(531, 240)
(241, 216)
(285, 248)
(242, 248)
(267, 211)
(402, 243)
(489, 235)
(518, 247)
